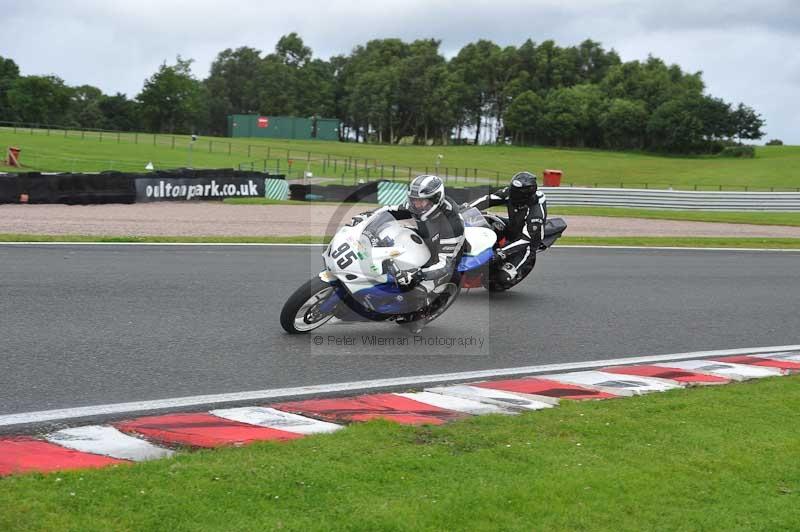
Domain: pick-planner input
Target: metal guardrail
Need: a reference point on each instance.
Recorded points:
(673, 199)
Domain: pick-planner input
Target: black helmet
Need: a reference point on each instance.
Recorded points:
(425, 196)
(522, 188)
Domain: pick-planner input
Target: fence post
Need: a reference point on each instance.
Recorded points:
(173, 142)
(210, 144)
(334, 166)
(268, 150)
(394, 172)
(118, 137)
(101, 136)
(248, 151)
(154, 139)
(381, 171)
(83, 133)
(136, 138)
(308, 157)
(229, 148)
(476, 174)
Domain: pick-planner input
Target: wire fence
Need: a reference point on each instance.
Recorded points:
(295, 163)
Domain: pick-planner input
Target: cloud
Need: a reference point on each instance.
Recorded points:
(746, 51)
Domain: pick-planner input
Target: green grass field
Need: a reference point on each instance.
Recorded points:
(713, 458)
(776, 167)
(755, 218)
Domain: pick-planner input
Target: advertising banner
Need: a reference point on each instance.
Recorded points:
(198, 188)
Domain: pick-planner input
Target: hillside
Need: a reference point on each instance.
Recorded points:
(777, 167)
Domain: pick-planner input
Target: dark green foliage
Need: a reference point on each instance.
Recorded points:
(388, 89)
(9, 72)
(523, 117)
(624, 124)
(39, 99)
(775, 142)
(741, 152)
(172, 100)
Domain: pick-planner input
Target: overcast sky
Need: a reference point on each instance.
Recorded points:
(748, 51)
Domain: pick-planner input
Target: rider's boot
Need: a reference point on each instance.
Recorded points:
(509, 272)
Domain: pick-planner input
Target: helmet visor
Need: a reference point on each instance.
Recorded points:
(419, 205)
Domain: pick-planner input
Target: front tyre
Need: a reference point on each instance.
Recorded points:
(301, 312)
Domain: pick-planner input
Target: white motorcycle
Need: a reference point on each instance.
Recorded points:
(361, 262)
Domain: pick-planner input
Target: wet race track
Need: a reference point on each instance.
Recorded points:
(84, 325)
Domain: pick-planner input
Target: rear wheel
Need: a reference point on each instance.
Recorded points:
(301, 312)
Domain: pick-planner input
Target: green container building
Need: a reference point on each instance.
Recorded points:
(283, 127)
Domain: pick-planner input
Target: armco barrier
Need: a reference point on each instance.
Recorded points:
(116, 187)
(674, 199)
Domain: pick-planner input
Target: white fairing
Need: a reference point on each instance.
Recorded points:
(356, 254)
(480, 239)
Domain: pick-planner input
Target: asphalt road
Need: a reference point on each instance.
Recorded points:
(86, 325)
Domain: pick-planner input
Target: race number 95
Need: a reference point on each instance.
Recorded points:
(344, 256)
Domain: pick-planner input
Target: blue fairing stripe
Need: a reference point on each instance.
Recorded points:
(469, 262)
(330, 304)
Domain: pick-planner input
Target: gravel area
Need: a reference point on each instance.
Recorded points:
(217, 219)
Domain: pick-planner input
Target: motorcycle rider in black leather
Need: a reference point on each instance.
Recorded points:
(527, 215)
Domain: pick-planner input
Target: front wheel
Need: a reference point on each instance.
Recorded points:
(301, 312)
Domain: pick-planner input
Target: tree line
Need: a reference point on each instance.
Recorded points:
(391, 91)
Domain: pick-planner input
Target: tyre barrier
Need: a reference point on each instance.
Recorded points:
(122, 187)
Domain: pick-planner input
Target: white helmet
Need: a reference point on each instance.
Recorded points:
(425, 196)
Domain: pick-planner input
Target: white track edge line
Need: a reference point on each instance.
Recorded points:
(273, 244)
(301, 391)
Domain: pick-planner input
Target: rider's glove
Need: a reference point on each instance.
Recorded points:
(408, 277)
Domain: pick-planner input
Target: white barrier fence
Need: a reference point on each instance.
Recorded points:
(673, 199)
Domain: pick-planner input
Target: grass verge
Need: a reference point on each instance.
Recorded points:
(715, 458)
(754, 218)
(711, 242)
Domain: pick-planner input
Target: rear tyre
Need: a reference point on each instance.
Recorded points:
(300, 313)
